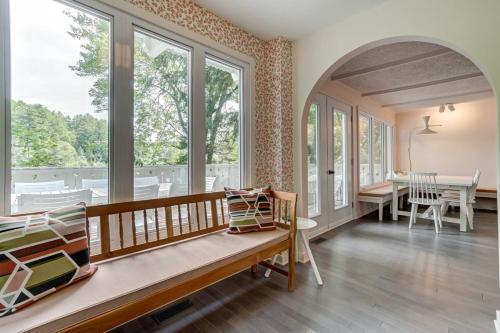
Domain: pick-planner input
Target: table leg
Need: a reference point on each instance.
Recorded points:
(273, 261)
(394, 201)
(463, 209)
(311, 258)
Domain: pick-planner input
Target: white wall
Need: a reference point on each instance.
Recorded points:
(467, 140)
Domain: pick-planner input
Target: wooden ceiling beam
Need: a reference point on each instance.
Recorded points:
(446, 97)
(391, 64)
(423, 84)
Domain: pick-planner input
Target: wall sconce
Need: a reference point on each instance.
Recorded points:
(450, 106)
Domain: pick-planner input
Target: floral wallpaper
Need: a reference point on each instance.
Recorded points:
(273, 86)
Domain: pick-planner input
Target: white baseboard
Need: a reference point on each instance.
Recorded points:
(496, 322)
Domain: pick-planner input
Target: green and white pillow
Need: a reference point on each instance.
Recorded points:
(40, 254)
(249, 211)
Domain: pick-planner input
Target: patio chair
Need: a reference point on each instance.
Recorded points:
(56, 185)
(39, 202)
(146, 192)
(209, 184)
(146, 181)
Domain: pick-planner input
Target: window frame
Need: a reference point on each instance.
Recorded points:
(384, 150)
(121, 99)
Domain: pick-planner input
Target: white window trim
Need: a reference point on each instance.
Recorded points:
(124, 17)
(319, 109)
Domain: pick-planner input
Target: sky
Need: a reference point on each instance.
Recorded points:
(41, 53)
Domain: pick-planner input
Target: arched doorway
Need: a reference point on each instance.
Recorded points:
(368, 106)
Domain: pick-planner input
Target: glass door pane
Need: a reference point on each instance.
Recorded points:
(222, 123)
(312, 160)
(340, 158)
(60, 69)
(161, 117)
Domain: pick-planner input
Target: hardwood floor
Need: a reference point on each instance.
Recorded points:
(378, 277)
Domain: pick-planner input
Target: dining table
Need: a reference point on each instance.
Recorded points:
(461, 184)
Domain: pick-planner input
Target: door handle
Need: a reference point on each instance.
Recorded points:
(331, 172)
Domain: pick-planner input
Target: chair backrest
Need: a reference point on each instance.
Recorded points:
(146, 181)
(94, 183)
(475, 181)
(146, 192)
(423, 188)
(38, 202)
(56, 185)
(209, 184)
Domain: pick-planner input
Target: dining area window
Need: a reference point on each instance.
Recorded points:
(102, 107)
(375, 149)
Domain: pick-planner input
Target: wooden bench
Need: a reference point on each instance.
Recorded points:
(153, 252)
(381, 196)
(486, 193)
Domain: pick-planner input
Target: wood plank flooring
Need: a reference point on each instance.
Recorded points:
(378, 277)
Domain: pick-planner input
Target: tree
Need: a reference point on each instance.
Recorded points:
(91, 138)
(41, 138)
(161, 95)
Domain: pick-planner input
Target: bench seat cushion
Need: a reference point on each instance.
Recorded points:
(120, 281)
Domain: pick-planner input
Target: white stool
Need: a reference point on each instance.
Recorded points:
(302, 225)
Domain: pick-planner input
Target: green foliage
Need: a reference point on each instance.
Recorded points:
(41, 137)
(161, 96)
(91, 138)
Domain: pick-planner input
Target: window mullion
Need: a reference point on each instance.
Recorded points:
(4, 119)
(122, 118)
(197, 123)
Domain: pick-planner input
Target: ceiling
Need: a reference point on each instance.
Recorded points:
(411, 75)
(292, 19)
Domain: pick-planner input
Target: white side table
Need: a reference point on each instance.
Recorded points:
(302, 225)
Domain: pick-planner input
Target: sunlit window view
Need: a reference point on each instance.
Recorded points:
(161, 117)
(222, 123)
(340, 158)
(312, 159)
(377, 151)
(60, 105)
(364, 151)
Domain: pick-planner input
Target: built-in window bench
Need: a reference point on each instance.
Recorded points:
(382, 195)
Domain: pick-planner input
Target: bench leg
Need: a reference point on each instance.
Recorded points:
(380, 211)
(253, 269)
(291, 267)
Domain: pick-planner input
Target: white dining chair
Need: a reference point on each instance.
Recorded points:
(423, 191)
(453, 198)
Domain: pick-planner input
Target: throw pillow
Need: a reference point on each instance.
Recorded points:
(40, 254)
(249, 210)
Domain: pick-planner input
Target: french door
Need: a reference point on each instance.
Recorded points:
(330, 162)
(339, 157)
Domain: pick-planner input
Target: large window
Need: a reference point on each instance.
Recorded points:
(102, 106)
(312, 160)
(60, 84)
(161, 117)
(375, 150)
(222, 124)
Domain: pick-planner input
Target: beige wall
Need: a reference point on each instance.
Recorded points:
(467, 140)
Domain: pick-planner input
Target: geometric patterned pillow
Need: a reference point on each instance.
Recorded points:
(40, 254)
(249, 210)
